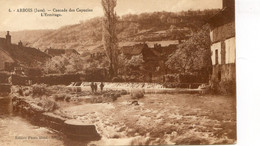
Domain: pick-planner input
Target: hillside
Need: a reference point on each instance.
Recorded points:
(156, 26)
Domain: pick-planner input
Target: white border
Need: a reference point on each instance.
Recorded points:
(248, 72)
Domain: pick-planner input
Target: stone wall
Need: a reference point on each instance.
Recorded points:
(224, 72)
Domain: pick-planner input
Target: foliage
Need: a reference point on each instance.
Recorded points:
(132, 62)
(100, 62)
(64, 64)
(192, 55)
(130, 67)
(109, 36)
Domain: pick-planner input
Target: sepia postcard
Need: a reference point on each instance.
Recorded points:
(117, 72)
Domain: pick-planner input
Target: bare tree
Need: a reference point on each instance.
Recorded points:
(109, 37)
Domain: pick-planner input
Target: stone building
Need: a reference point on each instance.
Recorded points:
(223, 44)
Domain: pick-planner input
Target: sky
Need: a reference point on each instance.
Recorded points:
(15, 21)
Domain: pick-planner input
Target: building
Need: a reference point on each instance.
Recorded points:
(223, 43)
(58, 52)
(154, 56)
(15, 55)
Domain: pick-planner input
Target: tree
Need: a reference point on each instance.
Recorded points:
(192, 55)
(109, 37)
(63, 64)
(127, 65)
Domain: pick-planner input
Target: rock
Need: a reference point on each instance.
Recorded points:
(67, 99)
(137, 94)
(123, 92)
(135, 102)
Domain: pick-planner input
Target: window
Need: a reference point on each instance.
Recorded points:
(216, 56)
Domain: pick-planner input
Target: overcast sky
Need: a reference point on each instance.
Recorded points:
(14, 21)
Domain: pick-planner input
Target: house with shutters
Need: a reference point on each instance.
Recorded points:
(223, 43)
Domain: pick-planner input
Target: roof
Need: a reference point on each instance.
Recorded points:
(133, 50)
(163, 43)
(224, 16)
(4, 57)
(151, 43)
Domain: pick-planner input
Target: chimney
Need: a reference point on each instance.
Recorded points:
(228, 4)
(8, 38)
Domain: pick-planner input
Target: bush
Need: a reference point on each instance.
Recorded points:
(137, 94)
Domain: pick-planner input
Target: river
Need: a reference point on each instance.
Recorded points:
(18, 130)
